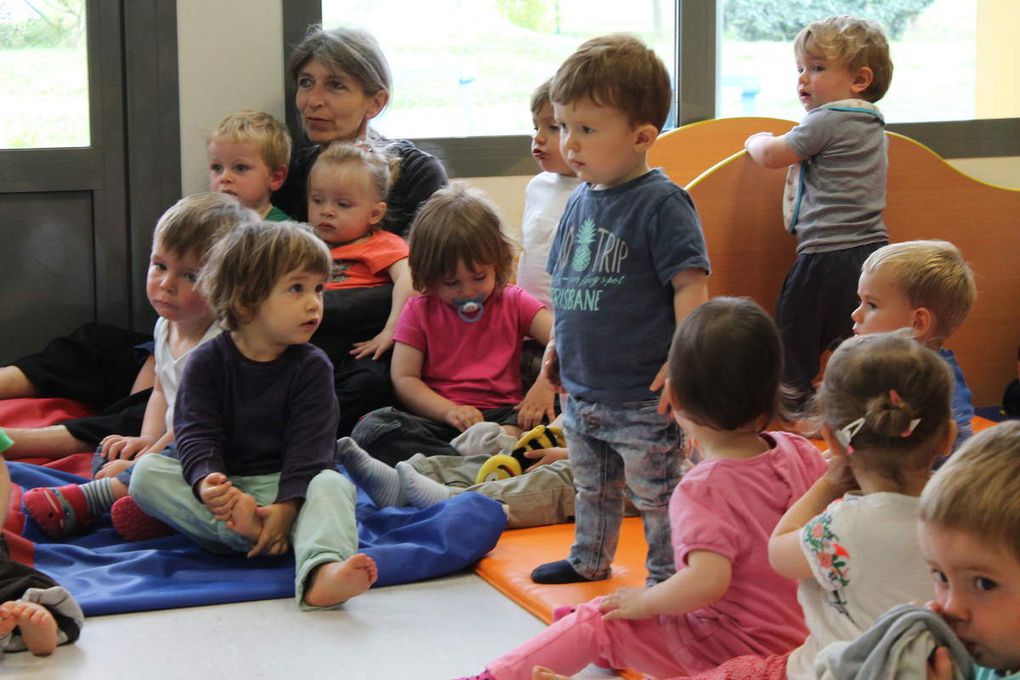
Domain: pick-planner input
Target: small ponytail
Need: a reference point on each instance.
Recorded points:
(898, 388)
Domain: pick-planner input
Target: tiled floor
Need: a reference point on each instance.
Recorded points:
(436, 630)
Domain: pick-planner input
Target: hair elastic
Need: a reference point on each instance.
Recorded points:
(896, 400)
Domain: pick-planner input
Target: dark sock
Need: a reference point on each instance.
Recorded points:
(558, 572)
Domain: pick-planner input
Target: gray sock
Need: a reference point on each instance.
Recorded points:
(419, 490)
(98, 495)
(378, 479)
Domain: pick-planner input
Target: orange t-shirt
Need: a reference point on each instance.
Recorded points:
(365, 264)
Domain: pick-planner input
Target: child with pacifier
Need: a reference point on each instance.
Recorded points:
(456, 358)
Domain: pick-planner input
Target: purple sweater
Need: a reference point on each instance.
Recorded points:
(243, 417)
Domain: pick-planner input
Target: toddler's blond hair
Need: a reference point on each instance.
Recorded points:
(934, 275)
(978, 490)
(851, 42)
(259, 127)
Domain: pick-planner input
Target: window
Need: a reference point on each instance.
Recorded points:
(465, 68)
(44, 97)
(714, 76)
(933, 44)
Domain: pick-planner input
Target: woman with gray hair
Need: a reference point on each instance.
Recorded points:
(343, 82)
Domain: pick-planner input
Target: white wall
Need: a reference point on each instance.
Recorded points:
(231, 58)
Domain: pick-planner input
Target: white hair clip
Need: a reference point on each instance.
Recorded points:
(845, 435)
(910, 429)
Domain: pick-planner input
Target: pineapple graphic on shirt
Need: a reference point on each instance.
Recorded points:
(582, 249)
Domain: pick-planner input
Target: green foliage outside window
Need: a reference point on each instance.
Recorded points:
(51, 23)
(783, 19)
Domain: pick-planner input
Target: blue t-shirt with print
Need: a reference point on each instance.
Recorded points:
(612, 260)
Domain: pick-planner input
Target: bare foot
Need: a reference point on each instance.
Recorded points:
(336, 582)
(243, 518)
(35, 622)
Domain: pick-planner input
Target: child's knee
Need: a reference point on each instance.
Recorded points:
(146, 474)
(331, 484)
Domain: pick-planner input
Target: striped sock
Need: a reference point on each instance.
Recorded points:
(98, 495)
(378, 479)
(419, 490)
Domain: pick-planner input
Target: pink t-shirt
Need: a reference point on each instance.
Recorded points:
(473, 364)
(730, 507)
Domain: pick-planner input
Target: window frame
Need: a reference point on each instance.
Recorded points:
(697, 21)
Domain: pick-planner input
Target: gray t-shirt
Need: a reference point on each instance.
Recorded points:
(612, 260)
(841, 192)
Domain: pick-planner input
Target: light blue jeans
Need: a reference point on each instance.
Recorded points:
(616, 448)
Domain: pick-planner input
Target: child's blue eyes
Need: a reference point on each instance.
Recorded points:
(985, 584)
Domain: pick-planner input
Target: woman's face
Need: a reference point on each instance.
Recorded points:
(333, 106)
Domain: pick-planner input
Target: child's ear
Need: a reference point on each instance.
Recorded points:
(923, 323)
(862, 79)
(948, 438)
(378, 212)
(277, 177)
(644, 136)
(674, 404)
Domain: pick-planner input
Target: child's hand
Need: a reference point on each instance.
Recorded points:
(838, 471)
(113, 468)
(277, 521)
(543, 673)
(545, 456)
(551, 367)
(940, 665)
(657, 384)
(463, 417)
(218, 494)
(538, 403)
(748, 143)
(626, 603)
(376, 347)
(118, 446)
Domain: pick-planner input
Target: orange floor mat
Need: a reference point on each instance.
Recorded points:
(508, 566)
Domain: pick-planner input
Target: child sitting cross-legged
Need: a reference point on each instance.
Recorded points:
(456, 361)
(724, 600)
(256, 419)
(182, 239)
